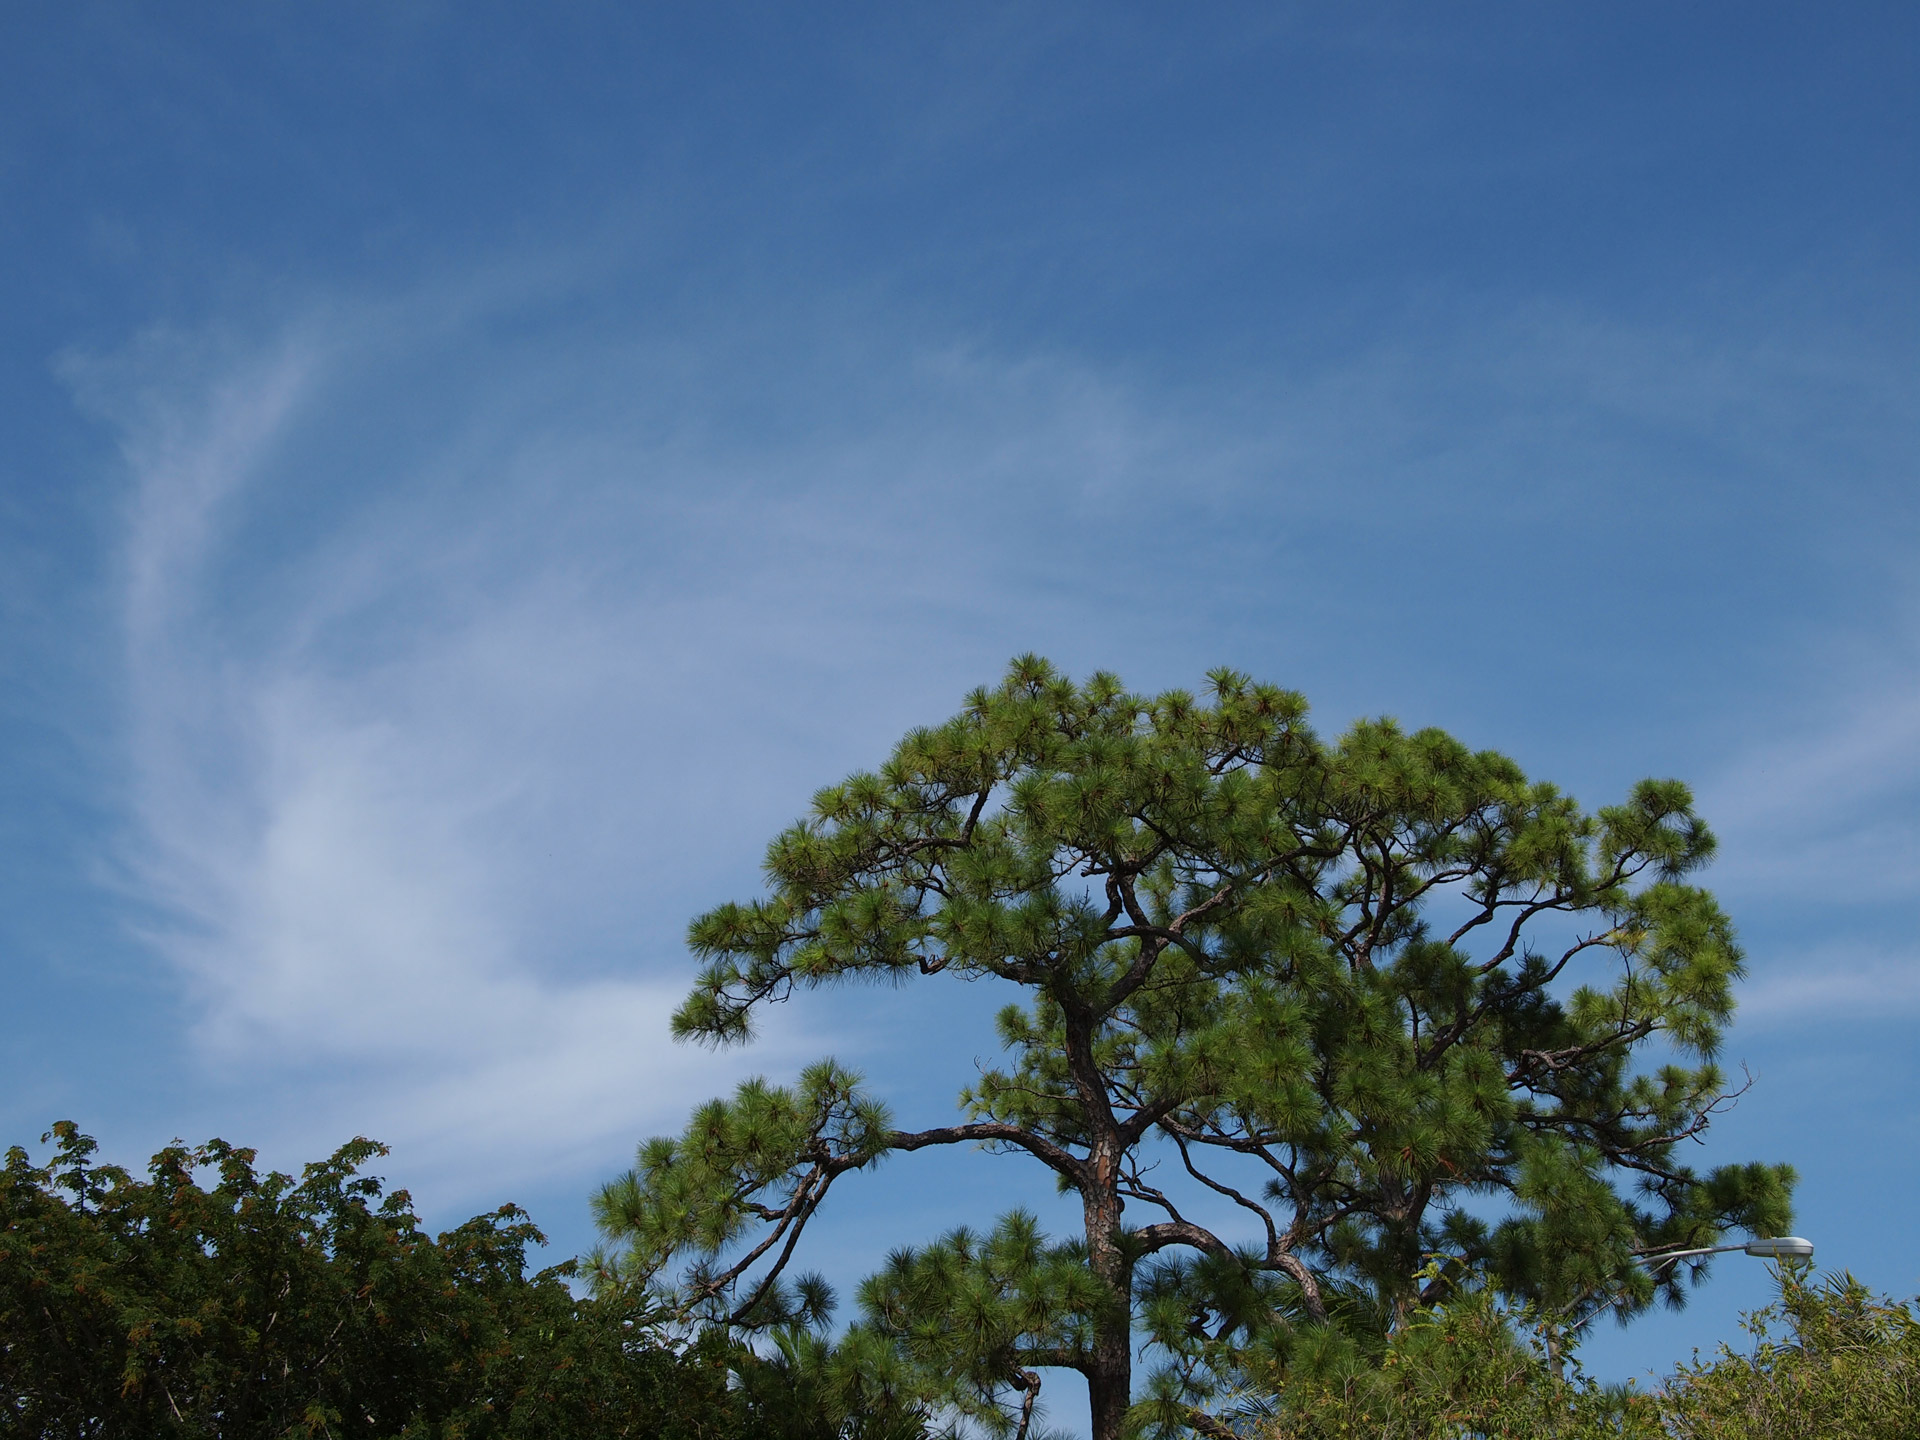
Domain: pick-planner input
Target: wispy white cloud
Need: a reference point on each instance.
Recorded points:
(1819, 817)
(344, 849)
(1829, 811)
(1834, 982)
(461, 672)
(428, 753)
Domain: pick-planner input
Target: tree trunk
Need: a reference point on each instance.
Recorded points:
(1110, 1381)
(1110, 1373)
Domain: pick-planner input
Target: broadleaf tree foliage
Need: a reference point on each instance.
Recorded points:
(260, 1306)
(1333, 990)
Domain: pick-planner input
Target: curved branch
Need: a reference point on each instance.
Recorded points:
(1295, 1267)
(1029, 1382)
(807, 1196)
(1164, 1233)
(1146, 1117)
(1186, 1159)
(993, 1131)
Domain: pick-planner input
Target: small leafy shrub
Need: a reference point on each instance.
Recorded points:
(1830, 1361)
(1846, 1367)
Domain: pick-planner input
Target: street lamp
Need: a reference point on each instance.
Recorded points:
(1784, 1247)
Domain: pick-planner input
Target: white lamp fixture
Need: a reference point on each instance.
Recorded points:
(1784, 1247)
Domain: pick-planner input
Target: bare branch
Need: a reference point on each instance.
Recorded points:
(1186, 1159)
(993, 1132)
(1166, 1233)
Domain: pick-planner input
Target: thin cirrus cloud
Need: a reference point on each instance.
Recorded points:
(428, 766)
(340, 837)
(1830, 812)
(1820, 824)
(1834, 983)
(460, 672)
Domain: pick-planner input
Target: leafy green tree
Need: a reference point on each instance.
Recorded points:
(1830, 1361)
(263, 1306)
(1338, 990)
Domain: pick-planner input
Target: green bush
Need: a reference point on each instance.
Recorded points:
(1830, 1361)
(256, 1307)
(263, 1306)
(1846, 1367)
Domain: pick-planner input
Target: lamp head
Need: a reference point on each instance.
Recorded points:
(1784, 1247)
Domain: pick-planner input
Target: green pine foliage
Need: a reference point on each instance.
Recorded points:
(1342, 989)
(1468, 1370)
(976, 1312)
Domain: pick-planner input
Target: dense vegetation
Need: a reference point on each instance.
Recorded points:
(1830, 1361)
(259, 1306)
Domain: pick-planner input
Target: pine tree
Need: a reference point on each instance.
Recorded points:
(1342, 988)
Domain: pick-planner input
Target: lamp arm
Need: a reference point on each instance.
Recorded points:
(1782, 1247)
(1664, 1258)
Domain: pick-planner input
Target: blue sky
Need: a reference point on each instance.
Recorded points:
(470, 474)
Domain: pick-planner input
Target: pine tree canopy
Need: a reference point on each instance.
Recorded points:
(1360, 995)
